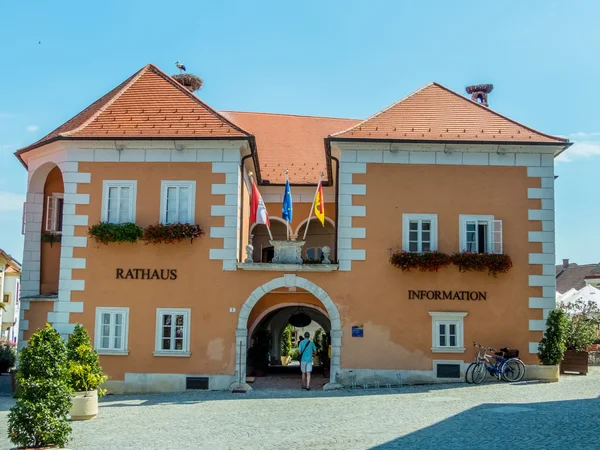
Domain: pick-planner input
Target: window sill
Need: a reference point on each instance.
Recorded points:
(448, 349)
(177, 354)
(270, 267)
(113, 352)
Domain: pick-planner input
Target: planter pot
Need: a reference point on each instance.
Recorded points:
(575, 362)
(285, 360)
(316, 361)
(541, 373)
(85, 405)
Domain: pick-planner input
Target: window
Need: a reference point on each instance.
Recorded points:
(172, 332)
(177, 200)
(447, 332)
(111, 331)
(479, 234)
(54, 212)
(314, 253)
(6, 299)
(419, 232)
(118, 201)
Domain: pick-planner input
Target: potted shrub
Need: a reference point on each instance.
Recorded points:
(286, 345)
(161, 233)
(85, 375)
(39, 418)
(552, 346)
(8, 356)
(581, 332)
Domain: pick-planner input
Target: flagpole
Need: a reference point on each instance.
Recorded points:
(287, 224)
(266, 224)
(312, 207)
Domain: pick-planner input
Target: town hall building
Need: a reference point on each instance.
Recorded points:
(438, 232)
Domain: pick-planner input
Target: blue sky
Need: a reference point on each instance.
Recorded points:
(333, 58)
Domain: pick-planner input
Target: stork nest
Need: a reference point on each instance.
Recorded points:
(189, 81)
(487, 88)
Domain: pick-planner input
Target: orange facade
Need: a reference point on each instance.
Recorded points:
(223, 290)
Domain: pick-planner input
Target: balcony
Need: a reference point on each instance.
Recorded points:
(314, 254)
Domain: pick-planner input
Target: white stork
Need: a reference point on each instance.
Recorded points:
(180, 66)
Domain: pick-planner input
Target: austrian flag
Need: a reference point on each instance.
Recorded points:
(258, 210)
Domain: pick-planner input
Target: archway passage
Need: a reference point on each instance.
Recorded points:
(277, 366)
(280, 294)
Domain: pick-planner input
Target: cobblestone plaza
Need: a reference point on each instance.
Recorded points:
(522, 415)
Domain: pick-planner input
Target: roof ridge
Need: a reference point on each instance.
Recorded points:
(285, 114)
(196, 99)
(487, 108)
(126, 85)
(378, 113)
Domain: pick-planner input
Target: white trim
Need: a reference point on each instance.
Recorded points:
(191, 185)
(97, 329)
(458, 318)
(462, 227)
(327, 219)
(106, 185)
(187, 317)
(433, 237)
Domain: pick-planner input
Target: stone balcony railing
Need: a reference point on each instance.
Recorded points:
(288, 258)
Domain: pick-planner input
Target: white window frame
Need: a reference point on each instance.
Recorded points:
(97, 330)
(187, 313)
(106, 185)
(407, 218)
(492, 234)
(51, 205)
(164, 185)
(447, 317)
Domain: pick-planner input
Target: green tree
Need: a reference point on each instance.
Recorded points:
(39, 419)
(286, 341)
(582, 325)
(84, 364)
(552, 346)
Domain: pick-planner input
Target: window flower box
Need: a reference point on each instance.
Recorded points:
(105, 233)
(171, 233)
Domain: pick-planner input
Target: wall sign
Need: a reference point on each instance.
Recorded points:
(357, 331)
(146, 274)
(447, 295)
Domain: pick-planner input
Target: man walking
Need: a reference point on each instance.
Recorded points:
(306, 348)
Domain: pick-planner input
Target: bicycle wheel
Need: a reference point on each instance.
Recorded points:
(513, 370)
(469, 373)
(479, 373)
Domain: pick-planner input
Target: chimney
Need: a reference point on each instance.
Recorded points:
(565, 263)
(479, 92)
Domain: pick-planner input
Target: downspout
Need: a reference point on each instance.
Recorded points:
(337, 207)
(240, 257)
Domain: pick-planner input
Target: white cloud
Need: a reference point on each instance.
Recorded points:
(580, 150)
(10, 202)
(6, 146)
(32, 128)
(4, 115)
(582, 135)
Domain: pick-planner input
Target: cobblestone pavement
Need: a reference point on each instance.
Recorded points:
(517, 416)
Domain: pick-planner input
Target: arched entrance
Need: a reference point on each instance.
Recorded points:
(289, 281)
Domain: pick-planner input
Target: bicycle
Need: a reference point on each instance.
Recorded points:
(511, 369)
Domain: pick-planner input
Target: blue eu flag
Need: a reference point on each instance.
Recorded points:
(287, 210)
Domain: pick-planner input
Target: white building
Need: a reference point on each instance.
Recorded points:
(10, 284)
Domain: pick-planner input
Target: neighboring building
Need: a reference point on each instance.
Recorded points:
(575, 276)
(10, 285)
(434, 171)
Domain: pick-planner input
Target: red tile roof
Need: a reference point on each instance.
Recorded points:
(149, 104)
(436, 113)
(289, 141)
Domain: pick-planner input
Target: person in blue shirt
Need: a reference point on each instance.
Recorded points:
(307, 348)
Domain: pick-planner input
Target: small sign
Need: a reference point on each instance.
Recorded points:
(231, 309)
(357, 331)
(447, 295)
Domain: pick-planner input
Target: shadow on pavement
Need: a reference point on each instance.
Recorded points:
(564, 424)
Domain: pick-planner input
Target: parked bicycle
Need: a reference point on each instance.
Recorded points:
(508, 369)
